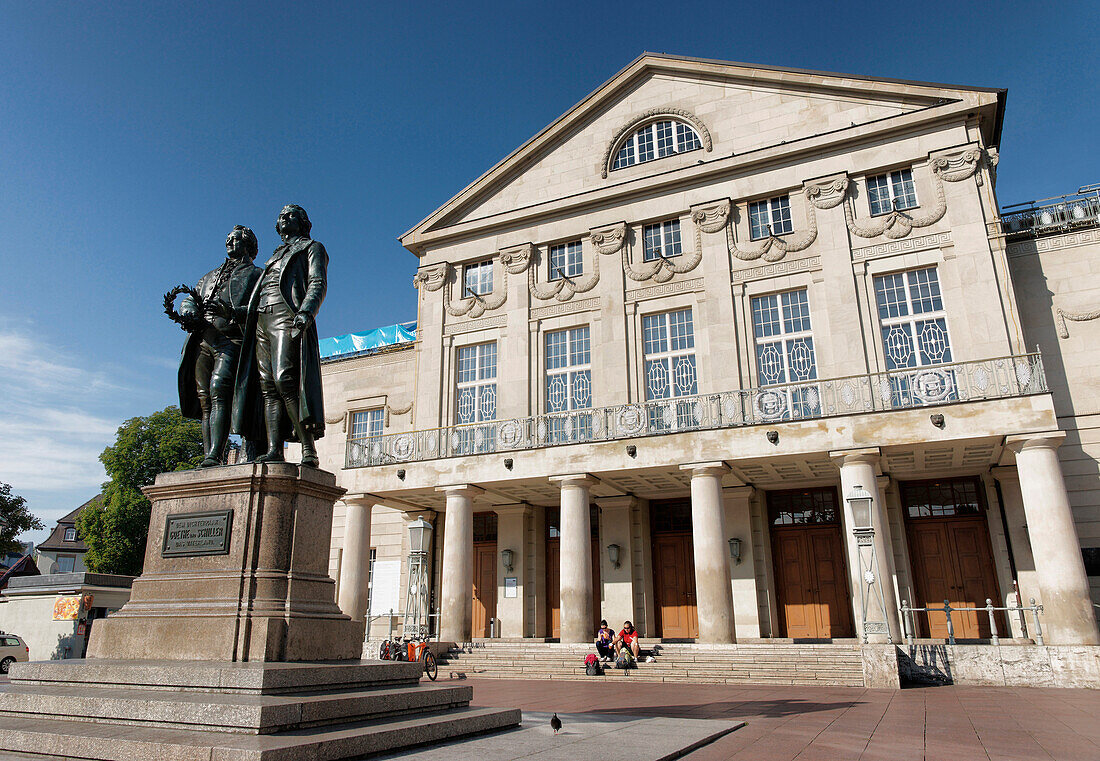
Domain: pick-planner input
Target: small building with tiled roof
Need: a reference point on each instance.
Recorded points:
(63, 551)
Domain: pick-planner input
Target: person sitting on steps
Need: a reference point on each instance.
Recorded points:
(628, 638)
(605, 636)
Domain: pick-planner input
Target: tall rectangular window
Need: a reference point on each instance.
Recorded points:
(894, 190)
(565, 260)
(366, 424)
(669, 344)
(661, 240)
(477, 383)
(771, 217)
(477, 279)
(914, 335)
(785, 354)
(569, 383)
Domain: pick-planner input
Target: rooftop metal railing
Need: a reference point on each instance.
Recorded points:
(998, 378)
(1054, 215)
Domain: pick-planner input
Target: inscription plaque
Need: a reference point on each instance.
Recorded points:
(195, 534)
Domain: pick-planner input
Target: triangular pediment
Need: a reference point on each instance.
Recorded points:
(737, 109)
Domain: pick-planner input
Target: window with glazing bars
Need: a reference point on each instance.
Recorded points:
(565, 260)
(661, 240)
(894, 190)
(654, 141)
(477, 279)
(669, 344)
(914, 335)
(477, 385)
(771, 217)
(785, 353)
(366, 424)
(569, 383)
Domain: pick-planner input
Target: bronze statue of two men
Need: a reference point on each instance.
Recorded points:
(252, 362)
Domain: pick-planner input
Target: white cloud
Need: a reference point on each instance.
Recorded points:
(51, 427)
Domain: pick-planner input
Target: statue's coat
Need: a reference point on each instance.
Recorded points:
(303, 285)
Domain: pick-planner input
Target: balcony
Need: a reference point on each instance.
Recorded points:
(1050, 216)
(999, 378)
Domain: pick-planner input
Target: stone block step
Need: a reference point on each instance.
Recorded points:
(217, 676)
(255, 714)
(44, 738)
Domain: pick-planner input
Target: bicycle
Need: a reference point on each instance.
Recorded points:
(410, 650)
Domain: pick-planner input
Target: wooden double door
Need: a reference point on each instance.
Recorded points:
(811, 583)
(952, 560)
(811, 575)
(674, 585)
(485, 587)
(553, 586)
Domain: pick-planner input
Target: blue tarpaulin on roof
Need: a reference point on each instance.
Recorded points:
(371, 340)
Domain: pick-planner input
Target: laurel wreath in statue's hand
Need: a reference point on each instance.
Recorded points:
(187, 323)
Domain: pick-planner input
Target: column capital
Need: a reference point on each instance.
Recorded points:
(427, 514)
(461, 490)
(361, 498)
(521, 508)
(842, 457)
(739, 492)
(623, 500)
(714, 468)
(1005, 473)
(883, 481)
(1044, 440)
(575, 479)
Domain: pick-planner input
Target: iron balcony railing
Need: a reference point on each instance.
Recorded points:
(1053, 215)
(998, 378)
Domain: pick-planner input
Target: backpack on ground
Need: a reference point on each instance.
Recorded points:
(625, 659)
(592, 665)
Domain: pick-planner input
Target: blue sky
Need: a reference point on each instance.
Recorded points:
(133, 136)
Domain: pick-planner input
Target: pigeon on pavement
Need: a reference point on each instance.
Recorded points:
(555, 722)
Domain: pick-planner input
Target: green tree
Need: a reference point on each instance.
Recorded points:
(115, 528)
(15, 518)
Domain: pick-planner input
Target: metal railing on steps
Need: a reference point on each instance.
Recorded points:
(909, 622)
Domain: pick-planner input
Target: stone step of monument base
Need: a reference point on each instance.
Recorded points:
(840, 665)
(261, 714)
(36, 738)
(137, 710)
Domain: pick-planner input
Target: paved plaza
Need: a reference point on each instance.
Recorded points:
(839, 723)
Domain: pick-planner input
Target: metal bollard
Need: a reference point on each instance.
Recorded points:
(907, 622)
(993, 639)
(1038, 627)
(950, 623)
(390, 635)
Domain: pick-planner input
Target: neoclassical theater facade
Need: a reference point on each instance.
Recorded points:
(661, 344)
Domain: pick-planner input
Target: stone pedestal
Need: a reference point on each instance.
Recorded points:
(267, 598)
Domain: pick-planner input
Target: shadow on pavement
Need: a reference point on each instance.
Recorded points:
(739, 709)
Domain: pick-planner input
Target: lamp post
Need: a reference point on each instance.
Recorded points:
(863, 529)
(416, 597)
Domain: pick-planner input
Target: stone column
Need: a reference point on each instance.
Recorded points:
(858, 468)
(355, 568)
(576, 557)
(746, 604)
(1068, 617)
(1027, 580)
(711, 546)
(456, 609)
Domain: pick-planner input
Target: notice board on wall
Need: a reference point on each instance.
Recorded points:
(385, 587)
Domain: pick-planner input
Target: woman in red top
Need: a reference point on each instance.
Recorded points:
(627, 637)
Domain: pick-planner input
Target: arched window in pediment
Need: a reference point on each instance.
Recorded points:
(654, 135)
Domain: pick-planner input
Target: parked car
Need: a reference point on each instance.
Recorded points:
(12, 649)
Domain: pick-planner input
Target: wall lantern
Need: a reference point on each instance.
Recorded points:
(613, 554)
(735, 549)
(860, 500)
(420, 535)
(506, 557)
